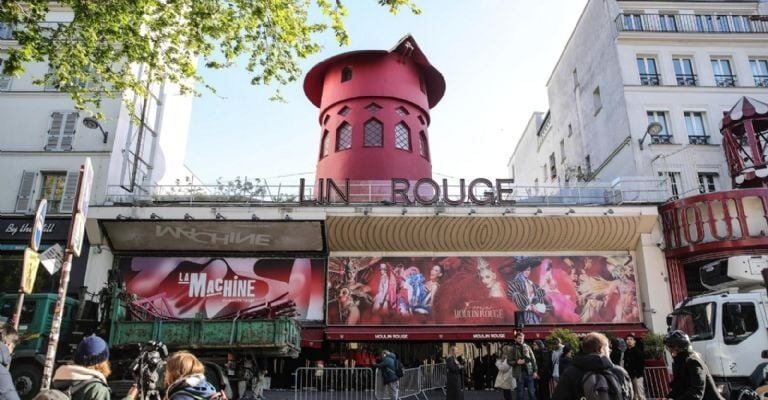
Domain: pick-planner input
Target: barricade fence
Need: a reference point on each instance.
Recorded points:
(313, 383)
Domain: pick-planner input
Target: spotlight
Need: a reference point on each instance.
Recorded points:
(287, 217)
(609, 212)
(365, 212)
(472, 211)
(437, 211)
(404, 211)
(121, 217)
(570, 211)
(507, 211)
(538, 211)
(188, 217)
(254, 217)
(219, 216)
(155, 216)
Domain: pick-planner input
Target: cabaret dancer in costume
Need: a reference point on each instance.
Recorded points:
(528, 296)
(563, 306)
(490, 279)
(386, 297)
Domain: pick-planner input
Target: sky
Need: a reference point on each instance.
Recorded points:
(495, 55)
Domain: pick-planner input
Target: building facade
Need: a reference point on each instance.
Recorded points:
(632, 63)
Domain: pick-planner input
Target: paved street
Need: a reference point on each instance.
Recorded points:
(435, 395)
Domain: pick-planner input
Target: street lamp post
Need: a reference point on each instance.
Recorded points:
(654, 128)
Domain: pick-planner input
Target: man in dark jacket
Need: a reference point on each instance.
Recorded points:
(544, 367)
(691, 378)
(594, 358)
(634, 363)
(454, 389)
(524, 369)
(8, 339)
(388, 367)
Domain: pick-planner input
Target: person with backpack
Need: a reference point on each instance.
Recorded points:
(391, 372)
(593, 376)
(86, 379)
(524, 368)
(691, 378)
(634, 363)
(8, 339)
(185, 379)
(505, 381)
(455, 385)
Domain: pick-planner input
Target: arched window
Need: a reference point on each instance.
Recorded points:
(346, 74)
(325, 145)
(344, 111)
(423, 145)
(373, 107)
(325, 120)
(402, 137)
(344, 136)
(374, 133)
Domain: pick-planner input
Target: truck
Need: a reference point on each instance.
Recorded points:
(217, 343)
(729, 325)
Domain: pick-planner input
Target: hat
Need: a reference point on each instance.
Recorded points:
(92, 350)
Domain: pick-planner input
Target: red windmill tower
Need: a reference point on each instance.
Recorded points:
(745, 141)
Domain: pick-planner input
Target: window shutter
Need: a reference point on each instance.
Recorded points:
(70, 190)
(54, 133)
(5, 83)
(26, 190)
(68, 134)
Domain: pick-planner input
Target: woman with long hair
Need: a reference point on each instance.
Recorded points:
(185, 379)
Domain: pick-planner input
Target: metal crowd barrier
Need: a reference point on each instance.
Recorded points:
(656, 382)
(312, 383)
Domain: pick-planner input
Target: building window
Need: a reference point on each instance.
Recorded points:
(707, 182)
(596, 100)
(552, 166)
(52, 189)
(705, 23)
(402, 111)
(570, 130)
(5, 81)
(740, 321)
(346, 74)
(664, 136)
(6, 32)
(562, 151)
(61, 133)
(684, 72)
(741, 23)
(723, 74)
(668, 22)
(759, 72)
(674, 182)
(374, 132)
(402, 137)
(588, 164)
(325, 145)
(373, 107)
(694, 123)
(344, 111)
(649, 75)
(423, 145)
(632, 22)
(344, 136)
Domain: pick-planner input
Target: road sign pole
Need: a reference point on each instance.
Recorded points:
(58, 312)
(17, 314)
(34, 245)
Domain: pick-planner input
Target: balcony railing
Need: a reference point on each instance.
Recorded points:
(689, 23)
(686, 80)
(698, 139)
(661, 139)
(761, 80)
(725, 80)
(650, 79)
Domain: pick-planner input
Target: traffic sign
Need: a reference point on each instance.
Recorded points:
(31, 261)
(76, 234)
(52, 258)
(37, 228)
(85, 185)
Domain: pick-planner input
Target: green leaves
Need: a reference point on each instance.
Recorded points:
(113, 46)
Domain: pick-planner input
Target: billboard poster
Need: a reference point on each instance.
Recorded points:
(481, 290)
(225, 287)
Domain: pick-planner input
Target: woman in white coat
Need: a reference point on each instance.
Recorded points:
(505, 380)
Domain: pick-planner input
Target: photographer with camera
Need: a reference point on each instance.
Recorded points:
(185, 379)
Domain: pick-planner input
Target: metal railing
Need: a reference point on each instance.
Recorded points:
(761, 80)
(698, 139)
(690, 23)
(642, 189)
(725, 80)
(686, 80)
(409, 385)
(661, 139)
(656, 382)
(650, 79)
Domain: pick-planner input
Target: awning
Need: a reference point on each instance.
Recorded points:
(469, 333)
(312, 337)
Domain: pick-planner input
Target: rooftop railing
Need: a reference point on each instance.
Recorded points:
(692, 23)
(621, 191)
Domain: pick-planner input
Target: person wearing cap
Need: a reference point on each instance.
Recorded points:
(92, 366)
(691, 378)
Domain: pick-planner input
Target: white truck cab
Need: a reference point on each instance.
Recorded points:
(729, 327)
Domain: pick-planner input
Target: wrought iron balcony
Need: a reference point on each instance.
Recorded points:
(690, 23)
(661, 139)
(698, 139)
(686, 80)
(725, 80)
(650, 79)
(761, 80)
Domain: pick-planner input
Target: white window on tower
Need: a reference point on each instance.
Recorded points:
(708, 182)
(373, 131)
(344, 136)
(402, 137)
(61, 133)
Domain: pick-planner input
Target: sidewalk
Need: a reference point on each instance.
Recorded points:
(435, 395)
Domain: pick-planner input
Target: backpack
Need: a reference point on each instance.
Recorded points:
(399, 369)
(601, 385)
(56, 394)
